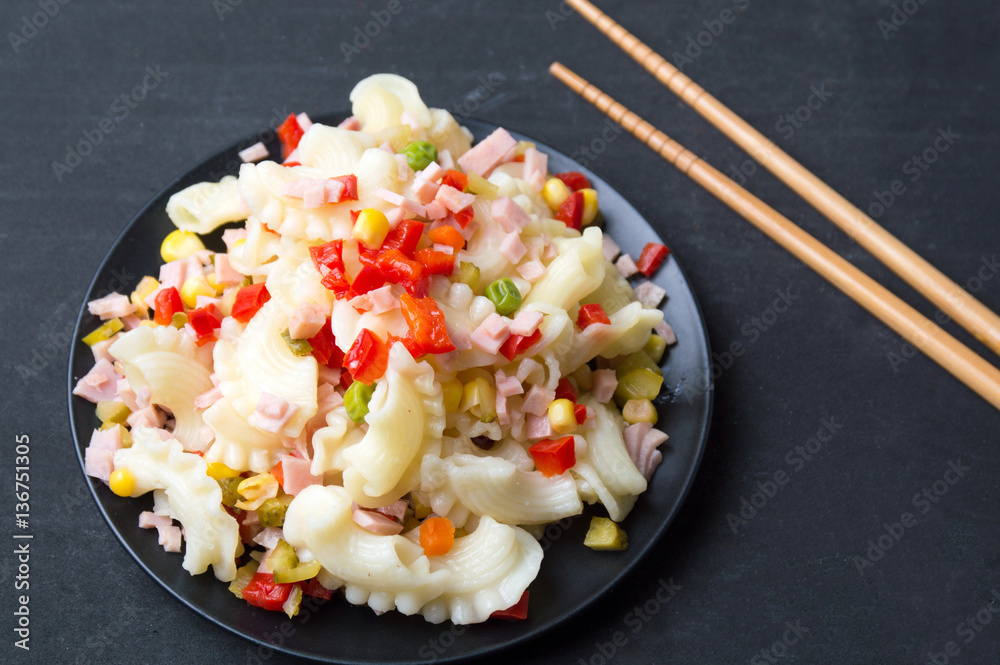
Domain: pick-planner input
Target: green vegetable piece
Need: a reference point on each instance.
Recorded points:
(243, 576)
(634, 361)
(301, 573)
(299, 347)
(504, 294)
(126, 435)
(419, 154)
(654, 348)
(107, 330)
(282, 558)
(604, 535)
(356, 400)
(480, 186)
(639, 411)
(179, 320)
(113, 411)
(638, 384)
(272, 511)
(468, 273)
(294, 603)
(230, 493)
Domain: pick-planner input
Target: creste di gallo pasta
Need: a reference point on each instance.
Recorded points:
(413, 354)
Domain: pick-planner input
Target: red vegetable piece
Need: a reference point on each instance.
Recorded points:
(409, 342)
(574, 180)
(518, 344)
(404, 237)
(249, 300)
(324, 347)
(336, 281)
(168, 302)
(465, 215)
(279, 474)
(316, 590)
(345, 378)
(290, 133)
(403, 271)
(330, 255)
(367, 358)
(262, 591)
(204, 321)
(350, 187)
(447, 235)
(436, 262)
(580, 413)
(651, 258)
(455, 179)
(553, 456)
(426, 322)
(570, 212)
(566, 390)
(368, 279)
(516, 612)
(593, 313)
(291, 164)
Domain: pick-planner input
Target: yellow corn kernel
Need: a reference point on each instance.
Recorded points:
(451, 391)
(480, 186)
(219, 288)
(555, 192)
(371, 228)
(604, 534)
(218, 470)
(256, 490)
(561, 416)
(194, 287)
(639, 411)
(589, 206)
(145, 288)
(149, 323)
(479, 398)
(521, 147)
(420, 509)
(122, 482)
(107, 330)
(126, 436)
(180, 245)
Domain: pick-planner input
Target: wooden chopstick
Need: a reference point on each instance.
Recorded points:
(934, 285)
(911, 325)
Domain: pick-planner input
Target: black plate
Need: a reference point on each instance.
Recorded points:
(572, 576)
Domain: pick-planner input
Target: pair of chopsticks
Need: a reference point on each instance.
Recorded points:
(918, 330)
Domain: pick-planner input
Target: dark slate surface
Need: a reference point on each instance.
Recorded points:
(782, 586)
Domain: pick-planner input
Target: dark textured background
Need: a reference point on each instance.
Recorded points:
(898, 420)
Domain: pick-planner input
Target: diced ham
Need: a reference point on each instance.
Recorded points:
(100, 383)
(376, 522)
(304, 121)
(664, 330)
(491, 334)
(512, 248)
(508, 214)
(396, 510)
(307, 321)
(100, 350)
(175, 273)
(111, 306)
(403, 169)
(269, 537)
(395, 216)
(205, 301)
(424, 190)
(537, 401)
(526, 322)
(453, 199)
(329, 375)
(482, 157)
(170, 538)
(531, 271)
(401, 201)
(208, 398)
(626, 266)
(131, 322)
(609, 248)
(604, 383)
(508, 385)
(108, 439)
(98, 458)
(432, 172)
(225, 273)
(148, 520)
(500, 405)
(296, 475)
(314, 196)
(444, 156)
(231, 236)
(407, 118)
(254, 153)
(350, 123)
(649, 294)
(436, 210)
(314, 192)
(539, 427)
(272, 412)
(536, 165)
(147, 417)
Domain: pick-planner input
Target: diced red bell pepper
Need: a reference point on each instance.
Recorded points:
(593, 313)
(446, 235)
(290, 132)
(350, 192)
(517, 612)
(262, 591)
(553, 456)
(291, 164)
(518, 344)
(455, 179)
(367, 279)
(580, 413)
(436, 262)
(651, 258)
(403, 271)
(367, 358)
(409, 342)
(336, 281)
(279, 474)
(570, 212)
(324, 347)
(168, 302)
(345, 378)
(574, 180)
(249, 300)
(316, 590)
(404, 237)
(465, 215)
(205, 321)
(426, 322)
(566, 390)
(329, 255)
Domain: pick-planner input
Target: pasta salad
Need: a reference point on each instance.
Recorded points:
(414, 354)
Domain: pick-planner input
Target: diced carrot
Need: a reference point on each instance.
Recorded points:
(437, 535)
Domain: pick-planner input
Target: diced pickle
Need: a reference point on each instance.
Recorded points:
(300, 573)
(294, 602)
(639, 411)
(638, 384)
(635, 361)
(230, 493)
(113, 411)
(243, 576)
(179, 320)
(479, 399)
(282, 558)
(481, 186)
(126, 436)
(299, 347)
(356, 400)
(468, 273)
(655, 346)
(604, 534)
(272, 511)
(106, 331)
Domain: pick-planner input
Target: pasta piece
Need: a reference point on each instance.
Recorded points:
(238, 444)
(258, 360)
(574, 274)
(629, 330)
(614, 292)
(165, 361)
(446, 134)
(332, 148)
(329, 443)
(206, 206)
(194, 499)
(406, 415)
(379, 100)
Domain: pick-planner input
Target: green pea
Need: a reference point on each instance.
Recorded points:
(356, 400)
(504, 294)
(419, 154)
